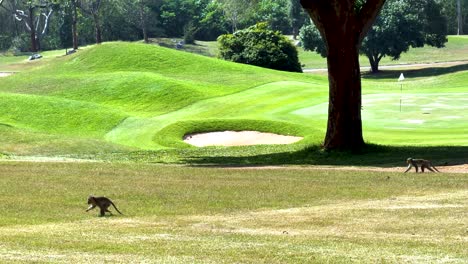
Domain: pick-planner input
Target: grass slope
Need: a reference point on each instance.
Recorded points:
(456, 49)
(147, 88)
(208, 215)
(131, 96)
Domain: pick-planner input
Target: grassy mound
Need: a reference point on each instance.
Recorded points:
(125, 93)
(129, 96)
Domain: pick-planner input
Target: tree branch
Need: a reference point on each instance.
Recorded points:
(37, 22)
(46, 22)
(4, 7)
(368, 14)
(19, 15)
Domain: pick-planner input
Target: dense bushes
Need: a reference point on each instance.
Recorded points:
(260, 46)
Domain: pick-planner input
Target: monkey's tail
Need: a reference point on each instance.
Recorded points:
(116, 208)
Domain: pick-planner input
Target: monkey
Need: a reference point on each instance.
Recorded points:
(102, 202)
(422, 163)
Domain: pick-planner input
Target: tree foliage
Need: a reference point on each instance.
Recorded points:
(143, 19)
(103, 20)
(450, 12)
(402, 24)
(260, 46)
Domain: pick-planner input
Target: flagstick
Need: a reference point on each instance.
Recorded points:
(401, 79)
(401, 92)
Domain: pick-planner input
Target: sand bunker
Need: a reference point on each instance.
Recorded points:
(5, 74)
(237, 138)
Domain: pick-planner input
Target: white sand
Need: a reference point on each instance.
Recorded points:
(5, 74)
(241, 138)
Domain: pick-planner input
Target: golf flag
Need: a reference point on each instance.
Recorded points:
(402, 77)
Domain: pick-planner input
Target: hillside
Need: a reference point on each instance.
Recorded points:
(125, 97)
(122, 94)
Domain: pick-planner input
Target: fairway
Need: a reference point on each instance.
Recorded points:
(146, 98)
(178, 214)
(86, 124)
(163, 132)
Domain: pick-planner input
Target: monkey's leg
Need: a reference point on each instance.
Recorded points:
(90, 207)
(435, 168)
(422, 168)
(429, 168)
(416, 167)
(102, 212)
(407, 169)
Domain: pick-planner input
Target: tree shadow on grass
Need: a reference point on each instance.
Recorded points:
(415, 73)
(371, 155)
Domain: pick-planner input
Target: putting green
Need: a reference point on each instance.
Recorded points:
(140, 97)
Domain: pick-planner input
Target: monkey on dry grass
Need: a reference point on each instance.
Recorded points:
(420, 163)
(102, 202)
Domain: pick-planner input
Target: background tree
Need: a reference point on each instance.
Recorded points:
(402, 24)
(92, 8)
(257, 45)
(68, 18)
(213, 23)
(459, 18)
(143, 11)
(236, 11)
(275, 14)
(311, 40)
(177, 15)
(297, 17)
(343, 26)
(74, 10)
(35, 15)
(455, 19)
(8, 27)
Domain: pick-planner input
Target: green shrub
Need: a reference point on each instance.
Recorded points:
(260, 46)
(189, 33)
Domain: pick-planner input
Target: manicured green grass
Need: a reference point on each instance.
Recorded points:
(206, 48)
(127, 102)
(138, 100)
(214, 215)
(456, 49)
(19, 62)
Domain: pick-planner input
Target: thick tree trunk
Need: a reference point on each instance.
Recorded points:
(343, 25)
(32, 32)
(74, 28)
(143, 22)
(344, 129)
(97, 28)
(459, 18)
(295, 32)
(374, 63)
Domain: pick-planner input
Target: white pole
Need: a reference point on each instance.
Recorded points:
(401, 79)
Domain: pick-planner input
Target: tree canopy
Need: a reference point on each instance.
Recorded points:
(402, 24)
(131, 20)
(104, 20)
